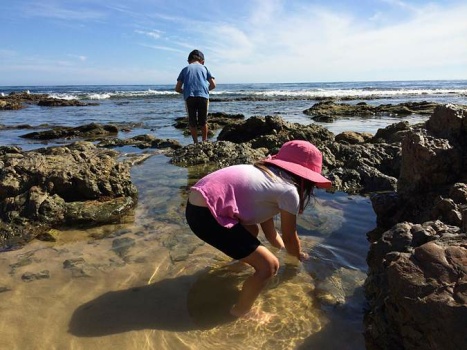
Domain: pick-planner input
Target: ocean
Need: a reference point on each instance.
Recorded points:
(153, 108)
(170, 291)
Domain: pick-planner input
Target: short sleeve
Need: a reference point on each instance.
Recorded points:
(290, 201)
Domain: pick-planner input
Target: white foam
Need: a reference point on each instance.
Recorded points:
(343, 93)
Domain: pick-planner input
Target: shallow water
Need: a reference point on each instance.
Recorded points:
(151, 284)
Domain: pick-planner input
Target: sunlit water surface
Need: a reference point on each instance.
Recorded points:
(151, 284)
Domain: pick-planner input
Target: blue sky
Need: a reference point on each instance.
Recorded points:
(66, 42)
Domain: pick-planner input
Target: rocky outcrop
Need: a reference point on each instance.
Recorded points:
(217, 154)
(417, 278)
(78, 184)
(17, 100)
(272, 131)
(327, 111)
(417, 287)
(216, 120)
(140, 141)
(360, 166)
(89, 131)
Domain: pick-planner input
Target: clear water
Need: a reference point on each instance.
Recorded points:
(149, 283)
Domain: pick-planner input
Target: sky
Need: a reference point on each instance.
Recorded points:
(72, 42)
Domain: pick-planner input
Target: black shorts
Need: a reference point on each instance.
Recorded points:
(197, 109)
(235, 242)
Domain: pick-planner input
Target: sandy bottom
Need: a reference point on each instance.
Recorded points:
(151, 284)
(87, 295)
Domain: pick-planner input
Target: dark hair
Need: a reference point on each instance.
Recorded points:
(195, 55)
(304, 186)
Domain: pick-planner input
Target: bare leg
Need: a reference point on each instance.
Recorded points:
(204, 132)
(194, 133)
(266, 266)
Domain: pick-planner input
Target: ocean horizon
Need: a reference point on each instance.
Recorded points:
(356, 89)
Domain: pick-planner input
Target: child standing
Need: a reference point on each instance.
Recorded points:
(195, 81)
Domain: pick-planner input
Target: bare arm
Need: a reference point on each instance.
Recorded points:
(289, 235)
(212, 84)
(271, 234)
(178, 87)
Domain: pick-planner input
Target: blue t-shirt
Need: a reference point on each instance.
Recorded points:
(195, 78)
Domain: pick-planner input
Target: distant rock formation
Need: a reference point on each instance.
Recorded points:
(18, 100)
(328, 111)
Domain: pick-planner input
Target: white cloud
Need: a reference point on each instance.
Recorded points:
(154, 34)
(161, 47)
(81, 58)
(57, 11)
(256, 41)
(319, 44)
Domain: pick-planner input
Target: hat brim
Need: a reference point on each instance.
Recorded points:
(301, 171)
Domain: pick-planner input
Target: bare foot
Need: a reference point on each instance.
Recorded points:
(255, 315)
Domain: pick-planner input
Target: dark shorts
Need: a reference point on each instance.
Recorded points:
(197, 109)
(235, 242)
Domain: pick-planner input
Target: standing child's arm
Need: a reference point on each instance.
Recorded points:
(178, 87)
(212, 84)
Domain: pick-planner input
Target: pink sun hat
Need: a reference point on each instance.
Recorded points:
(303, 159)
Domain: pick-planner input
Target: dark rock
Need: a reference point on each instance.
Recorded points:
(219, 154)
(89, 131)
(417, 278)
(352, 137)
(79, 184)
(332, 110)
(417, 288)
(142, 142)
(216, 121)
(121, 246)
(16, 100)
(30, 277)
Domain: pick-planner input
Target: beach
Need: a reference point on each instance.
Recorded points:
(149, 283)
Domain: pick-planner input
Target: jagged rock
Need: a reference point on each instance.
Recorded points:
(88, 131)
(393, 133)
(331, 110)
(256, 129)
(417, 278)
(219, 154)
(16, 100)
(352, 137)
(57, 102)
(72, 185)
(216, 120)
(141, 141)
(417, 288)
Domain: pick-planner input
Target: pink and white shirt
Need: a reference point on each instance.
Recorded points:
(245, 194)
